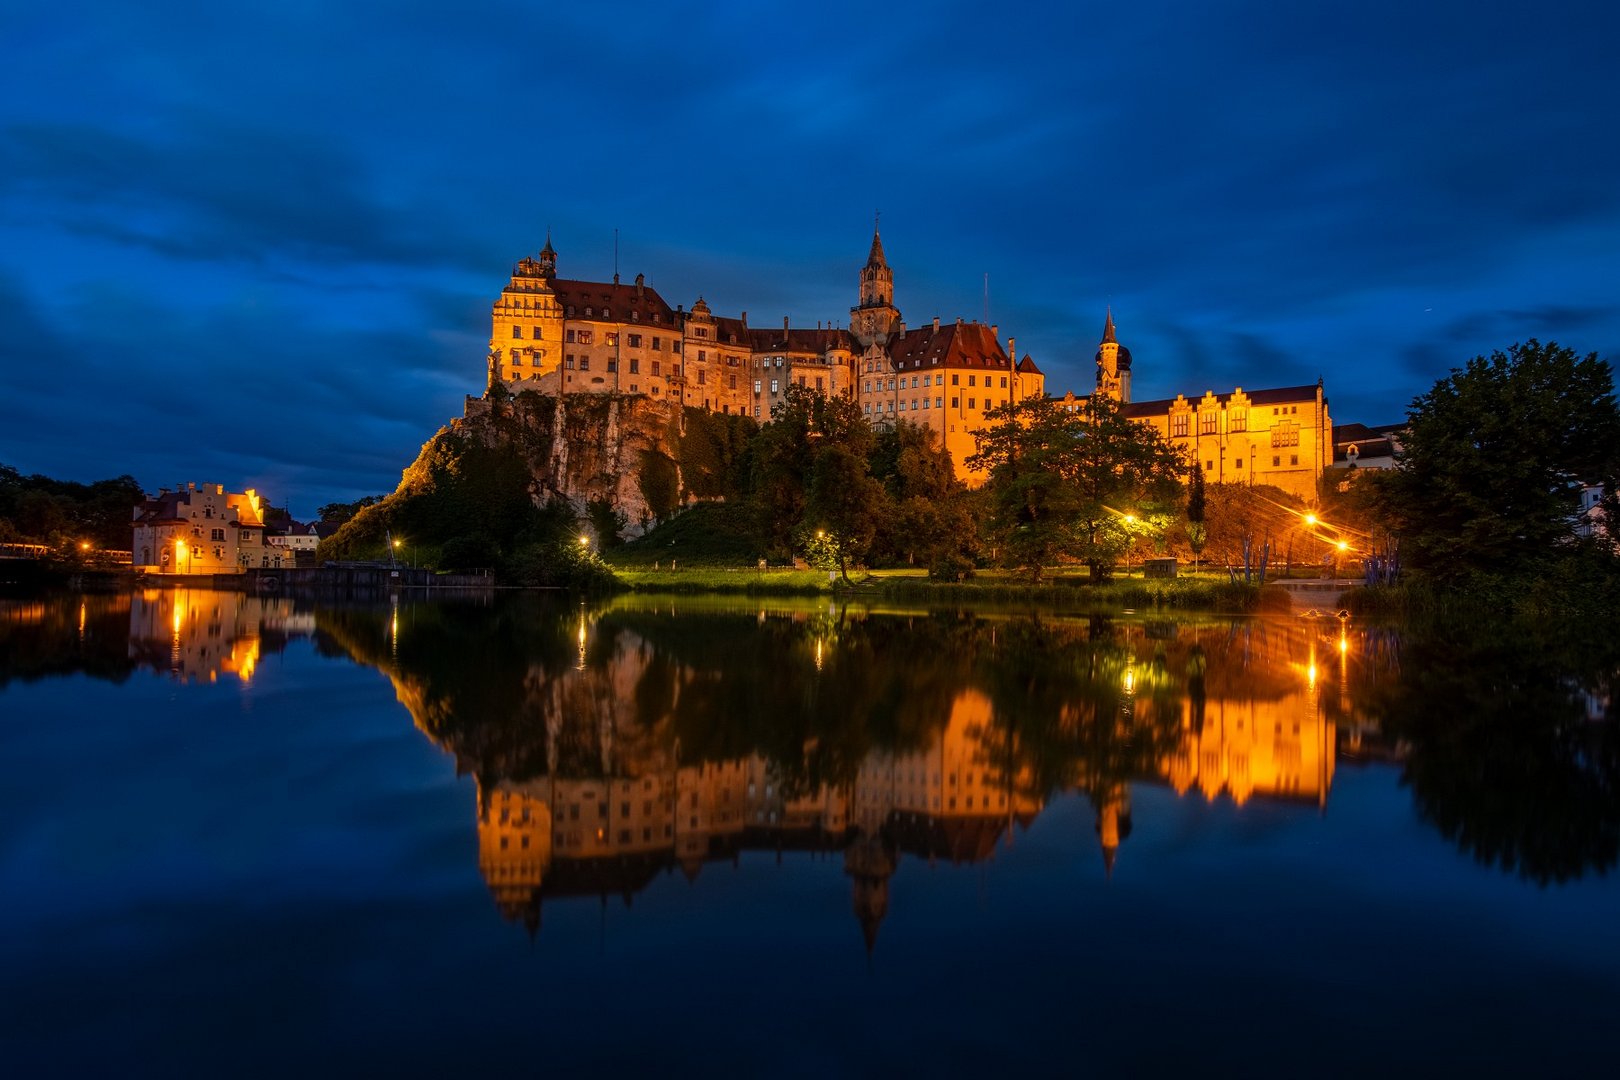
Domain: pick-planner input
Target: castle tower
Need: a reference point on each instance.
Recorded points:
(1113, 365)
(526, 322)
(875, 319)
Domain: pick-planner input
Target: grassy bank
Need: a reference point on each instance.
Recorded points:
(1075, 591)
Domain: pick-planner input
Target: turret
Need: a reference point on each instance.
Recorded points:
(1113, 364)
(875, 319)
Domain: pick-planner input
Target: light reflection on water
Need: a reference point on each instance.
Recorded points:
(1155, 769)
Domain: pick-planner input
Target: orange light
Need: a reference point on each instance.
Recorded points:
(1342, 546)
(1310, 519)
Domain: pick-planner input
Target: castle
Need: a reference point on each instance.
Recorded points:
(564, 336)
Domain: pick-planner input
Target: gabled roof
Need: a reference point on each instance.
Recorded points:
(620, 301)
(952, 345)
(1026, 366)
(800, 341)
(1282, 395)
(729, 331)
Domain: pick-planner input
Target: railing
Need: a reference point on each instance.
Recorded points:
(24, 551)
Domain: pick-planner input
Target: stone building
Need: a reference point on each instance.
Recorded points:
(565, 336)
(1281, 436)
(202, 529)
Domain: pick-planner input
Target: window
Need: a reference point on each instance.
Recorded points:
(702, 377)
(1237, 464)
(1285, 434)
(956, 403)
(1178, 425)
(956, 380)
(613, 365)
(821, 382)
(584, 363)
(635, 365)
(1240, 419)
(568, 362)
(1206, 422)
(1293, 459)
(586, 337)
(655, 367)
(657, 344)
(569, 337)
(939, 403)
(914, 382)
(517, 331)
(674, 345)
(972, 402)
(703, 355)
(635, 341)
(1209, 466)
(1275, 461)
(971, 379)
(700, 332)
(733, 381)
(775, 385)
(756, 386)
(611, 338)
(216, 534)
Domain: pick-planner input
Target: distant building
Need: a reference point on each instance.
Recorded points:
(298, 537)
(202, 529)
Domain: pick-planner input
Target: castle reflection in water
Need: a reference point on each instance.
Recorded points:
(1213, 712)
(612, 746)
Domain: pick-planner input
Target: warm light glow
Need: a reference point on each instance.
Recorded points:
(584, 541)
(1130, 519)
(84, 545)
(1130, 680)
(1310, 519)
(396, 545)
(1342, 546)
(818, 654)
(821, 534)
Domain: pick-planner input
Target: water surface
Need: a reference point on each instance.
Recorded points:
(256, 836)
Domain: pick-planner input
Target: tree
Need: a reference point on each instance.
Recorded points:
(926, 520)
(1197, 533)
(803, 425)
(1065, 484)
(1495, 455)
(844, 502)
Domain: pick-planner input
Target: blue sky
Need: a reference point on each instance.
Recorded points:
(257, 244)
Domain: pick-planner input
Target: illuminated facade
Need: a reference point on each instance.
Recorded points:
(562, 336)
(203, 529)
(1282, 437)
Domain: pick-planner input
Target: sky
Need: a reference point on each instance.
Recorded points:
(257, 244)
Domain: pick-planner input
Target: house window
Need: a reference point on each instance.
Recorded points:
(635, 341)
(702, 377)
(756, 386)
(656, 366)
(775, 384)
(568, 361)
(568, 336)
(534, 332)
(1237, 464)
(703, 355)
(1178, 425)
(586, 337)
(584, 363)
(658, 344)
(971, 379)
(613, 365)
(956, 380)
(612, 338)
(1206, 422)
(956, 403)
(517, 331)
(1293, 459)
(1276, 461)
(1240, 420)
(973, 403)
(1004, 382)
(1209, 466)
(216, 534)
(635, 365)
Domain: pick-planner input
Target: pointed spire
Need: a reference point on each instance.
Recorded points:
(875, 257)
(548, 249)
(1108, 328)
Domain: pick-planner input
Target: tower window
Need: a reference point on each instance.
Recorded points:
(517, 331)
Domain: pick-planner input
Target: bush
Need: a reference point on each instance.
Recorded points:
(476, 552)
(950, 566)
(559, 564)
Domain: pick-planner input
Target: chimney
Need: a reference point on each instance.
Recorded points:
(745, 320)
(641, 285)
(784, 327)
(1012, 351)
(995, 331)
(936, 324)
(959, 320)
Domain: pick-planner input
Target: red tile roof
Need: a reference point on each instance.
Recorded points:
(800, 341)
(620, 301)
(952, 345)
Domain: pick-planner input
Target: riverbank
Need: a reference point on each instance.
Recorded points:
(1201, 593)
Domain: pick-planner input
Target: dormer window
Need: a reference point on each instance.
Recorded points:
(587, 311)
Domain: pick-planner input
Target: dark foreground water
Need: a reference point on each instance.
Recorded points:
(267, 837)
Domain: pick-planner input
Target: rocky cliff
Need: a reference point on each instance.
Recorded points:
(622, 450)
